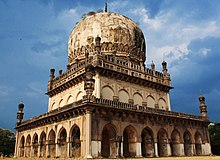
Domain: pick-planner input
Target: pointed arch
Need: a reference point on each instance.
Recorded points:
(35, 145)
(107, 92)
(198, 143)
(62, 142)
(70, 99)
(162, 138)
(61, 103)
(22, 142)
(138, 99)
(175, 143)
(123, 96)
(188, 149)
(147, 143)
(79, 96)
(75, 147)
(129, 141)
(150, 101)
(108, 143)
(162, 104)
(53, 106)
(43, 144)
(52, 144)
(28, 146)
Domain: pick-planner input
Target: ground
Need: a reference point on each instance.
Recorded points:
(168, 158)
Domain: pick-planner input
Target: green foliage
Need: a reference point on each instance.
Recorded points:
(214, 131)
(7, 142)
(83, 16)
(99, 11)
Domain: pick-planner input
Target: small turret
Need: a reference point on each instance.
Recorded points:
(164, 65)
(152, 66)
(203, 107)
(20, 113)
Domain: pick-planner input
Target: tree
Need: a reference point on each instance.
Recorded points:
(7, 142)
(214, 131)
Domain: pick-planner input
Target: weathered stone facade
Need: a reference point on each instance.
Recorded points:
(108, 104)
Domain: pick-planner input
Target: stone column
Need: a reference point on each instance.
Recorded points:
(119, 146)
(138, 149)
(38, 150)
(156, 148)
(88, 134)
(98, 85)
(47, 148)
(68, 147)
(57, 150)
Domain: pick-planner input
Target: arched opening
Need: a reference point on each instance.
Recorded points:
(162, 143)
(28, 146)
(75, 147)
(162, 104)
(35, 145)
(198, 143)
(79, 96)
(108, 144)
(70, 100)
(43, 144)
(187, 144)
(123, 96)
(22, 146)
(53, 106)
(51, 143)
(138, 99)
(107, 93)
(150, 102)
(62, 144)
(147, 143)
(129, 142)
(175, 143)
(61, 104)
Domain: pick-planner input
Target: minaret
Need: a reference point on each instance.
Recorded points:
(153, 66)
(20, 113)
(164, 65)
(203, 107)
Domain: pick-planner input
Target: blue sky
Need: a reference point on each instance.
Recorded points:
(34, 35)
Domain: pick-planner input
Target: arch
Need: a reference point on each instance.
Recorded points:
(107, 93)
(123, 96)
(162, 138)
(22, 142)
(162, 104)
(35, 145)
(61, 103)
(198, 143)
(150, 101)
(75, 147)
(28, 146)
(79, 96)
(147, 143)
(43, 144)
(108, 143)
(188, 143)
(175, 143)
(138, 99)
(70, 99)
(53, 106)
(129, 141)
(62, 143)
(52, 144)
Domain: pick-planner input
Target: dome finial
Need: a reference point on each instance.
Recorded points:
(106, 7)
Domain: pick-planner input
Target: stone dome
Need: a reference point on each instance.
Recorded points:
(119, 35)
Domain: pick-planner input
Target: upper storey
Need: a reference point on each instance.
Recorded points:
(120, 36)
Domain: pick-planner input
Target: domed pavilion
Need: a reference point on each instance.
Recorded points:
(108, 104)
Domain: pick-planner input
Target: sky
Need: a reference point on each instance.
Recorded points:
(34, 36)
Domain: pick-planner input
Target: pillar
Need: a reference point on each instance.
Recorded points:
(138, 149)
(156, 149)
(16, 146)
(38, 150)
(47, 149)
(98, 85)
(88, 134)
(68, 147)
(57, 150)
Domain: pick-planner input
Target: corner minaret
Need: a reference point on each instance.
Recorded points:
(20, 113)
(203, 107)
